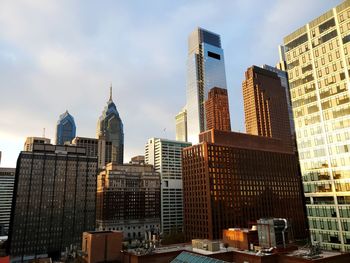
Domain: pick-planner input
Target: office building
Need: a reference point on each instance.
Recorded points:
(30, 141)
(53, 201)
(283, 75)
(110, 126)
(7, 179)
(65, 129)
(265, 105)
(165, 156)
(205, 70)
(318, 63)
(99, 148)
(232, 179)
(128, 200)
(181, 125)
(217, 113)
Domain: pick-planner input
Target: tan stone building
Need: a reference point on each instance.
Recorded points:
(128, 200)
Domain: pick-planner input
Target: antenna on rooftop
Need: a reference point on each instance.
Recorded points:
(43, 132)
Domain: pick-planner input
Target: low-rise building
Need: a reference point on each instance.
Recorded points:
(102, 246)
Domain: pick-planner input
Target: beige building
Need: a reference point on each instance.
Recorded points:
(318, 64)
(28, 145)
(97, 148)
(128, 200)
(181, 125)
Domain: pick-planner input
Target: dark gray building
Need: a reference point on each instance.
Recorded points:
(54, 200)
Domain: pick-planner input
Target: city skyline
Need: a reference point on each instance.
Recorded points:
(80, 52)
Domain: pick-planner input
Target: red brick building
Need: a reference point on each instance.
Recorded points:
(231, 179)
(102, 246)
(217, 113)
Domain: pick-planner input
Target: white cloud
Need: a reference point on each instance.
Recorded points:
(58, 55)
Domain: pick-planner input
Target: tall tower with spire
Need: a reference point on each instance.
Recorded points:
(110, 126)
(65, 129)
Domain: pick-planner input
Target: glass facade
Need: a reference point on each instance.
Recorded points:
(318, 64)
(65, 130)
(110, 126)
(205, 70)
(181, 126)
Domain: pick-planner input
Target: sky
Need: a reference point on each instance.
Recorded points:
(63, 55)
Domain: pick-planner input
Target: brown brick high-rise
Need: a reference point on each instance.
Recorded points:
(265, 105)
(231, 179)
(217, 114)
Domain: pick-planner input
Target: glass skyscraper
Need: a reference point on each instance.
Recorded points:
(65, 129)
(110, 127)
(318, 65)
(205, 70)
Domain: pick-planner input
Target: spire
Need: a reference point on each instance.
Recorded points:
(110, 92)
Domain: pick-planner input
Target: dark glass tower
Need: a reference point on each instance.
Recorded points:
(65, 130)
(205, 70)
(110, 126)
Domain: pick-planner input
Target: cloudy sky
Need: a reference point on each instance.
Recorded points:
(63, 54)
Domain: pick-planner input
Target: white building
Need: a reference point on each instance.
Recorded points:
(7, 180)
(165, 156)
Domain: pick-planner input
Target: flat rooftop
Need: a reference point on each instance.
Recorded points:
(244, 141)
(300, 253)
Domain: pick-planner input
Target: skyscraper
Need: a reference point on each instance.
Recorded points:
(217, 113)
(283, 75)
(165, 156)
(110, 126)
(205, 70)
(181, 125)
(53, 201)
(318, 64)
(65, 129)
(265, 105)
(7, 179)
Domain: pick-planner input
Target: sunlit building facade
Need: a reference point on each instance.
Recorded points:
(181, 125)
(318, 64)
(217, 112)
(205, 70)
(265, 105)
(110, 127)
(232, 179)
(283, 75)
